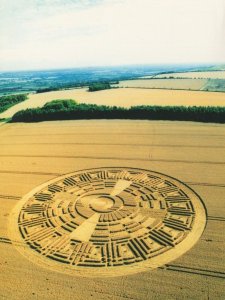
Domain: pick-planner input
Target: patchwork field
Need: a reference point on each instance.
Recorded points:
(31, 154)
(176, 84)
(206, 75)
(123, 97)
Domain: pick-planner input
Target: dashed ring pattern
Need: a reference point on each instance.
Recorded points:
(117, 220)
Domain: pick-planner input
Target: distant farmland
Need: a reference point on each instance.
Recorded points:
(213, 75)
(176, 84)
(124, 98)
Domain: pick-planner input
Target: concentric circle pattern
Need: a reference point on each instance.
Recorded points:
(110, 218)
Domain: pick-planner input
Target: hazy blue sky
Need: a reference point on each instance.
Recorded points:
(37, 34)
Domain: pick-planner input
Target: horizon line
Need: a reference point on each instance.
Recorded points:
(115, 66)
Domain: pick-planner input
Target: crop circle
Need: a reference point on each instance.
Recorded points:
(107, 221)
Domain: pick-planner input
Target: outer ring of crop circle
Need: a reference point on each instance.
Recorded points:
(143, 266)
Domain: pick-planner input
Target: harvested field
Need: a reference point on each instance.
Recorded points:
(176, 84)
(124, 97)
(205, 75)
(32, 154)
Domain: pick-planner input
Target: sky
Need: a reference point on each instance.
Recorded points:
(44, 34)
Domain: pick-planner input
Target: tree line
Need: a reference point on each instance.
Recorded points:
(98, 86)
(8, 101)
(70, 110)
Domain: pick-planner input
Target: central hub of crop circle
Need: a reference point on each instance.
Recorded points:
(115, 220)
(102, 204)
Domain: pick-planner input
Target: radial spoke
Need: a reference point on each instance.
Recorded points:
(85, 230)
(120, 186)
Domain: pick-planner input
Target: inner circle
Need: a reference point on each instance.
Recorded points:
(102, 203)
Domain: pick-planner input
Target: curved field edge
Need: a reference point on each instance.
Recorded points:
(123, 97)
(70, 110)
